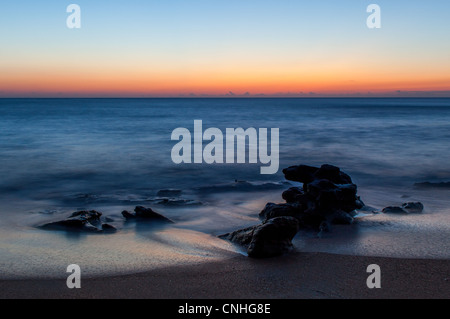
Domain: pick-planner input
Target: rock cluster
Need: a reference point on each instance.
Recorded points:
(93, 222)
(86, 221)
(406, 208)
(328, 196)
(272, 238)
(142, 213)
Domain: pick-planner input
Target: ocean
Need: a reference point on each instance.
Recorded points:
(62, 155)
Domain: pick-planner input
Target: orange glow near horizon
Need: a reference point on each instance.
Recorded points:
(118, 77)
(212, 48)
(213, 84)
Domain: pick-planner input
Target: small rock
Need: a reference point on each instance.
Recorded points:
(394, 210)
(278, 210)
(407, 208)
(109, 228)
(293, 194)
(341, 218)
(272, 238)
(141, 212)
(413, 208)
(86, 221)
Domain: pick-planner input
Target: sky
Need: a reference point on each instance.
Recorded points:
(174, 48)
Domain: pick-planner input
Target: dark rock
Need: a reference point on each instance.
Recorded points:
(306, 174)
(413, 208)
(328, 197)
(272, 238)
(143, 213)
(341, 218)
(109, 228)
(316, 187)
(86, 221)
(394, 210)
(406, 208)
(333, 174)
(278, 210)
(293, 194)
(87, 215)
(241, 237)
(301, 173)
(359, 203)
(128, 215)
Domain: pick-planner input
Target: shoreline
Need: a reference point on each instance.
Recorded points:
(295, 276)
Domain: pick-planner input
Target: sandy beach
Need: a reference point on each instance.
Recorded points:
(297, 276)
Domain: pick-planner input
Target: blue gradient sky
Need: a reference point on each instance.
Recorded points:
(172, 48)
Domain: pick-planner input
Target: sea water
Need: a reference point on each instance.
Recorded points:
(62, 155)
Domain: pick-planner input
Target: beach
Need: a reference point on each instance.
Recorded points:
(224, 150)
(297, 276)
(108, 155)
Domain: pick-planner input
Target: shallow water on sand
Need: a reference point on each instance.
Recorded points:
(28, 252)
(59, 156)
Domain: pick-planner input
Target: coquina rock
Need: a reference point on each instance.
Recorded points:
(328, 196)
(143, 213)
(84, 221)
(406, 208)
(271, 238)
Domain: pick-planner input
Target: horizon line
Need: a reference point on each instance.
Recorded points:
(213, 97)
(228, 95)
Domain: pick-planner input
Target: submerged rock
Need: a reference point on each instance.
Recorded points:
(270, 239)
(307, 174)
(109, 228)
(278, 210)
(328, 197)
(406, 208)
(413, 207)
(394, 210)
(143, 213)
(87, 221)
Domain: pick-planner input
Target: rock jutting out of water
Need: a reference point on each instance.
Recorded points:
(93, 222)
(328, 196)
(84, 221)
(406, 208)
(142, 213)
(272, 238)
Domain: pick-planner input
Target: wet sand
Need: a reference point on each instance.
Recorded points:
(297, 276)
